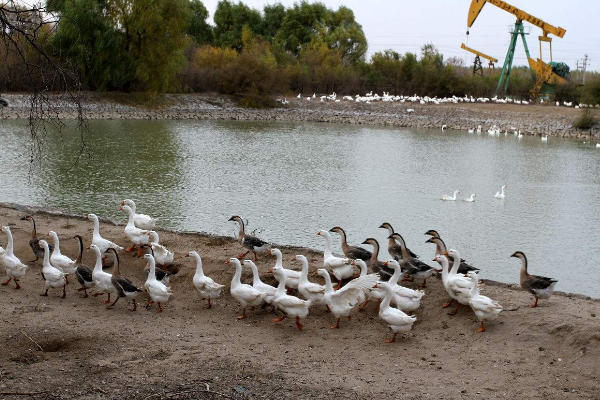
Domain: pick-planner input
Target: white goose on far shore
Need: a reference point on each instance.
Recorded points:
(447, 197)
(501, 195)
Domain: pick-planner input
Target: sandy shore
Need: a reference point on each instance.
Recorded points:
(530, 119)
(87, 351)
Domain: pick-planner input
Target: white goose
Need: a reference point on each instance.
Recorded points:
(292, 278)
(396, 319)
(406, 299)
(341, 268)
(291, 306)
(59, 260)
(341, 302)
(159, 293)
(15, 269)
(471, 199)
(98, 240)
(207, 288)
(52, 276)
(485, 308)
(268, 290)
(373, 293)
(137, 236)
(142, 221)
(162, 255)
(457, 286)
(245, 294)
(310, 290)
(447, 197)
(102, 280)
(501, 195)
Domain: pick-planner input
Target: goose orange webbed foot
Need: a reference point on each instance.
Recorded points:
(298, 324)
(337, 325)
(6, 282)
(279, 319)
(482, 329)
(392, 340)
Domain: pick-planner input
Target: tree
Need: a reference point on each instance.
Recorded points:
(230, 18)
(346, 35)
(300, 24)
(273, 16)
(198, 28)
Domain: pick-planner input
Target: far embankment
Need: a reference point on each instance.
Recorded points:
(530, 119)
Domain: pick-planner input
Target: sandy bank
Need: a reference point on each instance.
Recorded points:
(90, 352)
(531, 119)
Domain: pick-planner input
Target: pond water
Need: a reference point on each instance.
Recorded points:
(292, 179)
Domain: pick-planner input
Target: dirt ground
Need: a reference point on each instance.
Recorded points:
(75, 348)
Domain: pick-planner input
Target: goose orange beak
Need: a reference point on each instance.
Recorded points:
(385, 263)
(121, 208)
(187, 255)
(122, 203)
(227, 262)
(318, 233)
(446, 253)
(434, 259)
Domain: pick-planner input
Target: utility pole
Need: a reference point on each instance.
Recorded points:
(582, 66)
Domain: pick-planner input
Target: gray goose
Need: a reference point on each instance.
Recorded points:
(252, 243)
(82, 272)
(352, 252)
(378, 267)
(414, 267)
(123, 286)
(34, 241)
(440, 248)
(539, 286)
(393, 248)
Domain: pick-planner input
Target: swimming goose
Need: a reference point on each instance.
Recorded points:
(207, 288)
(539, 286)
(341, 302)
(162, 255)
(471, 130)
(123, 286)
(34, 241)
(142, 221)
(310, 290)
(15, 269)
(416, 268)
(440, 248)
(291, 306)
(268, 290)
(500, 195)
(83, 272)
(341, 268)
(102, 279)
(544, 138)
(471, 199)
(396, 319)
(378, 266)
(252, 243)
(394, 248)
(59, 260)
(136, 235)
(352, 252)
(457, 286)
(158, 291)
(98, 240)
(245, 294)
(291, 277)
(53, 277)
(447, 197)
(485, 308)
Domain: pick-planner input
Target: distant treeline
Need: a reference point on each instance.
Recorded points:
(168, 46)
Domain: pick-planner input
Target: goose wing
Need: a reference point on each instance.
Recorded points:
(252, 241)
(358, 253)
(540, 282)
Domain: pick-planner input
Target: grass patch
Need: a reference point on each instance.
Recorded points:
(585, 120)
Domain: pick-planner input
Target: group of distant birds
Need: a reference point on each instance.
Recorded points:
(360, 276)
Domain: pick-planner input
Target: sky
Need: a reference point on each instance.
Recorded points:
(405, 25)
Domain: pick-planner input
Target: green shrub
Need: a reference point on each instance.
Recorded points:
(585, 120)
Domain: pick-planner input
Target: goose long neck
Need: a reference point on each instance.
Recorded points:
(327, 245)
(523, 273)
(405, 254)
(80, 253)
(199, 269)
(328, 286)
(502, 190)
(440, 246)
(474, 288)
(388, 297)
(238, 274)
(304, 272)
(9, 246)
(131, 216)
(375, 253)
(279, 259)
(390, 229)
(116, 271)
(455, 263)
(98, 265)
(152, 273)
(56, 244)
(33, 229)
(96, 227)
(395, 276)
(255, 277)
(281, 285)
(444, 269)
(363, 268)
(46, 262)
(242, 231)
(343, 237)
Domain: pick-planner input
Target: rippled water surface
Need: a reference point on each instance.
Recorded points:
(292, 179)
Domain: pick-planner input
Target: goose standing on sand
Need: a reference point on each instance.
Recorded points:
(501, 195)
(257, 283)
(396, 319)
(159, 293)
(416, 268)
(291, 306)
(252, 243)
(245, 294)
(352, 252)
(447, 197)
(539, 286)
(406, 299)
(394, 249)
(310, 290)
(373, 293)
(377, 266)
(291, 277)
(53, 277)
(440, 248)
(161, 275)
(207, 288)
(142, 221)
(15, 269)
(34, 241)
(484, 308)
(59, 260)
(102, 280)
(123, 286)
(99, 241)
(341, 268)
(82, 272)
(457, 286)
(136, 235)
(162, 255)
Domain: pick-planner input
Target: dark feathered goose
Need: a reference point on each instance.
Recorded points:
(440, 248)
(34, 242)
(416, 268)
(123, 286)
(394, 248)
(352, 252)
(378, 267)
(82, 272)
(252, 243)
(539, 286)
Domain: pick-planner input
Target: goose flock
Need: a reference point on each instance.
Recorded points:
(350, 281)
